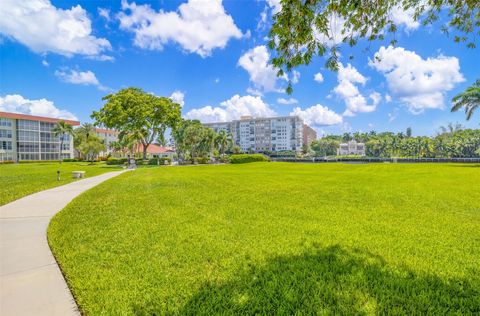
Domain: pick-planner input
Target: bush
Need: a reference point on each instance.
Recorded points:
(202, 160)
(5, 162)
(160, 161)
(69, 160)
(116, 161)
(102, 158)
(36, 161)
(245, 158)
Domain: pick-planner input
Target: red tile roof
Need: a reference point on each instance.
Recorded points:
(155, 149)
(37, 118)
(106, 131)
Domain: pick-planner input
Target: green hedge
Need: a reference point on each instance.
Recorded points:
(116, 161)
(160, 161)
(245, 158)
(70, 160)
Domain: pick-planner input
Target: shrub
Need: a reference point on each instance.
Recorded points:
(245, 158)
(202, 160)
(160, 161)
(116, 161)
(36, 161)
(102, 158)
(69, 160)
(7, 162)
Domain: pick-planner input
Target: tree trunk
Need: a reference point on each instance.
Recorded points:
(145, 147)
(60, 150)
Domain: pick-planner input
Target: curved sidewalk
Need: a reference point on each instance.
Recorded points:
(30, 280)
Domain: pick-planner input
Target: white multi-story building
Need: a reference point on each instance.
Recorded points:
(109, 136)
(28, 137)
(264, 134)
(351, 148)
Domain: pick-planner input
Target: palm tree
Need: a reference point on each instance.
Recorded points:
(469, 100)
(224, 140)
(62, 129)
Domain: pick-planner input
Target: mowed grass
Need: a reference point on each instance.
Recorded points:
(19, 180)
(276, 238)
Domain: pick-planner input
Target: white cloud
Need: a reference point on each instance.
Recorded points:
(104, 13)
(287, 101)
(318, 77)
(262, 74)
(276, 5)
(388, 98)
(232, 109)
(78, 77)
(348, 91)
(295, 76)
(404, 17)
(44, 28)
(15, 103)
(45, 63)
(198, 26)
(178, 97)
(318, 115)
(418, 83)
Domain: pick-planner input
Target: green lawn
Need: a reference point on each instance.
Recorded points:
(19, 180)
(276, 238)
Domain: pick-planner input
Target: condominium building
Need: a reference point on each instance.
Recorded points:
(28, 137)
(109, 136)
(351, 148)
(264, 134)
(309, 135)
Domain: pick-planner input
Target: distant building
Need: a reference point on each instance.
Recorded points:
(351, 148)
(309, 135)
(264, 134)
(29, 137)
(109, 136)
(156, 151)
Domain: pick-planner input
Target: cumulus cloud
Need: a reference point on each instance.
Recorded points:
(104, 13)
(232, 109)
(44, 28)
(262, 74)
(198, 26)
(404, 18)
(348, 78)
(295, 77)
(178, 97)
(287, 101)
(318, 115)
(17, 104)
(275, 5)
(86, 78)
(418, 83)
(318, 77)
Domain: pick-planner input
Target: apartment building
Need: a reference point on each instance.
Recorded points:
(309, 135)
(28, 137)
(109, 136)
(264, 134)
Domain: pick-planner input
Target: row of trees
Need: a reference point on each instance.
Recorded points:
(451, 142)
(193, 140)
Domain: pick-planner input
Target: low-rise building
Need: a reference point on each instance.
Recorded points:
(351, 148)
(29, 137)
(156, 151)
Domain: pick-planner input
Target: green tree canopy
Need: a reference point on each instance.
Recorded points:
(62, 129)
(305, 28)
(469, 100)
(134, 111)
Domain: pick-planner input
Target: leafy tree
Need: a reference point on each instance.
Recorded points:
(90, 147)
(469, 100)
(409, 132)
(63, 130)
(304, 28)
(132, 110)
(224, 141)
(325, 146)
(236, 149)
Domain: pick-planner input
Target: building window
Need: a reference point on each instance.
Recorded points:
(5, 133)
(6, 145)
(5, 122)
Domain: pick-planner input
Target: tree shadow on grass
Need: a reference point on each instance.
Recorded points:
(330, 281)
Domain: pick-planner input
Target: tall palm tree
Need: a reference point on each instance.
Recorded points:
(469, 100)
(62, 129)
(224, 140)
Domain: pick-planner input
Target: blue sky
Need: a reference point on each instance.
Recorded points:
(59, 58)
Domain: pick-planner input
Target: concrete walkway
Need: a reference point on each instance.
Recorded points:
(30, 280)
